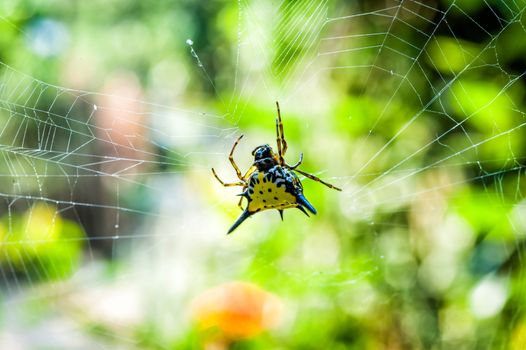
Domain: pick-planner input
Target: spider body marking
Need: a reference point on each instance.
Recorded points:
(277, 188)
(271, 183)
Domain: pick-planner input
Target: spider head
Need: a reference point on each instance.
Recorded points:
(264, 157)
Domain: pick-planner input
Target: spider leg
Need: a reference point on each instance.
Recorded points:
(278, 142)
(292, 167)
(249, 172)
(282, 136)
(231, 158)
(312, 177)
(281, 133)
(240, 183)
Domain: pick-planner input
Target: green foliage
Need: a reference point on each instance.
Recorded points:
(40, 245)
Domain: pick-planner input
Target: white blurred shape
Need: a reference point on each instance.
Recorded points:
(438, 271)
(113, 305)
(10, 341)
(321, 249)
(455, 236)
(168, 80)
(518, 217)
(360, 300)
(47, 37)
(488, 297)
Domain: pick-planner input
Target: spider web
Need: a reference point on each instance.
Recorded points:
(434, 120)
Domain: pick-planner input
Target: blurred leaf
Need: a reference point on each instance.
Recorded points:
(451, 55)
(486, 104)
(40, 244)
(486, 212)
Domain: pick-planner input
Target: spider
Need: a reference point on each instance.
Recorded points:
(270, 183)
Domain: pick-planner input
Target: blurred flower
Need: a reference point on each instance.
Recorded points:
(236, 310)
(122, 128)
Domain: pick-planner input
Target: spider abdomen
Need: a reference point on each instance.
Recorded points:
(277, 188)
(264, 193)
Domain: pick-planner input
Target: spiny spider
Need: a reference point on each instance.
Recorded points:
(270, 183)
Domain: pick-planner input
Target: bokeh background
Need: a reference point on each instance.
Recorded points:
(112, 228)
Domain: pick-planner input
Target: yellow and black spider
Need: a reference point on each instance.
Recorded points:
(270, 183)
